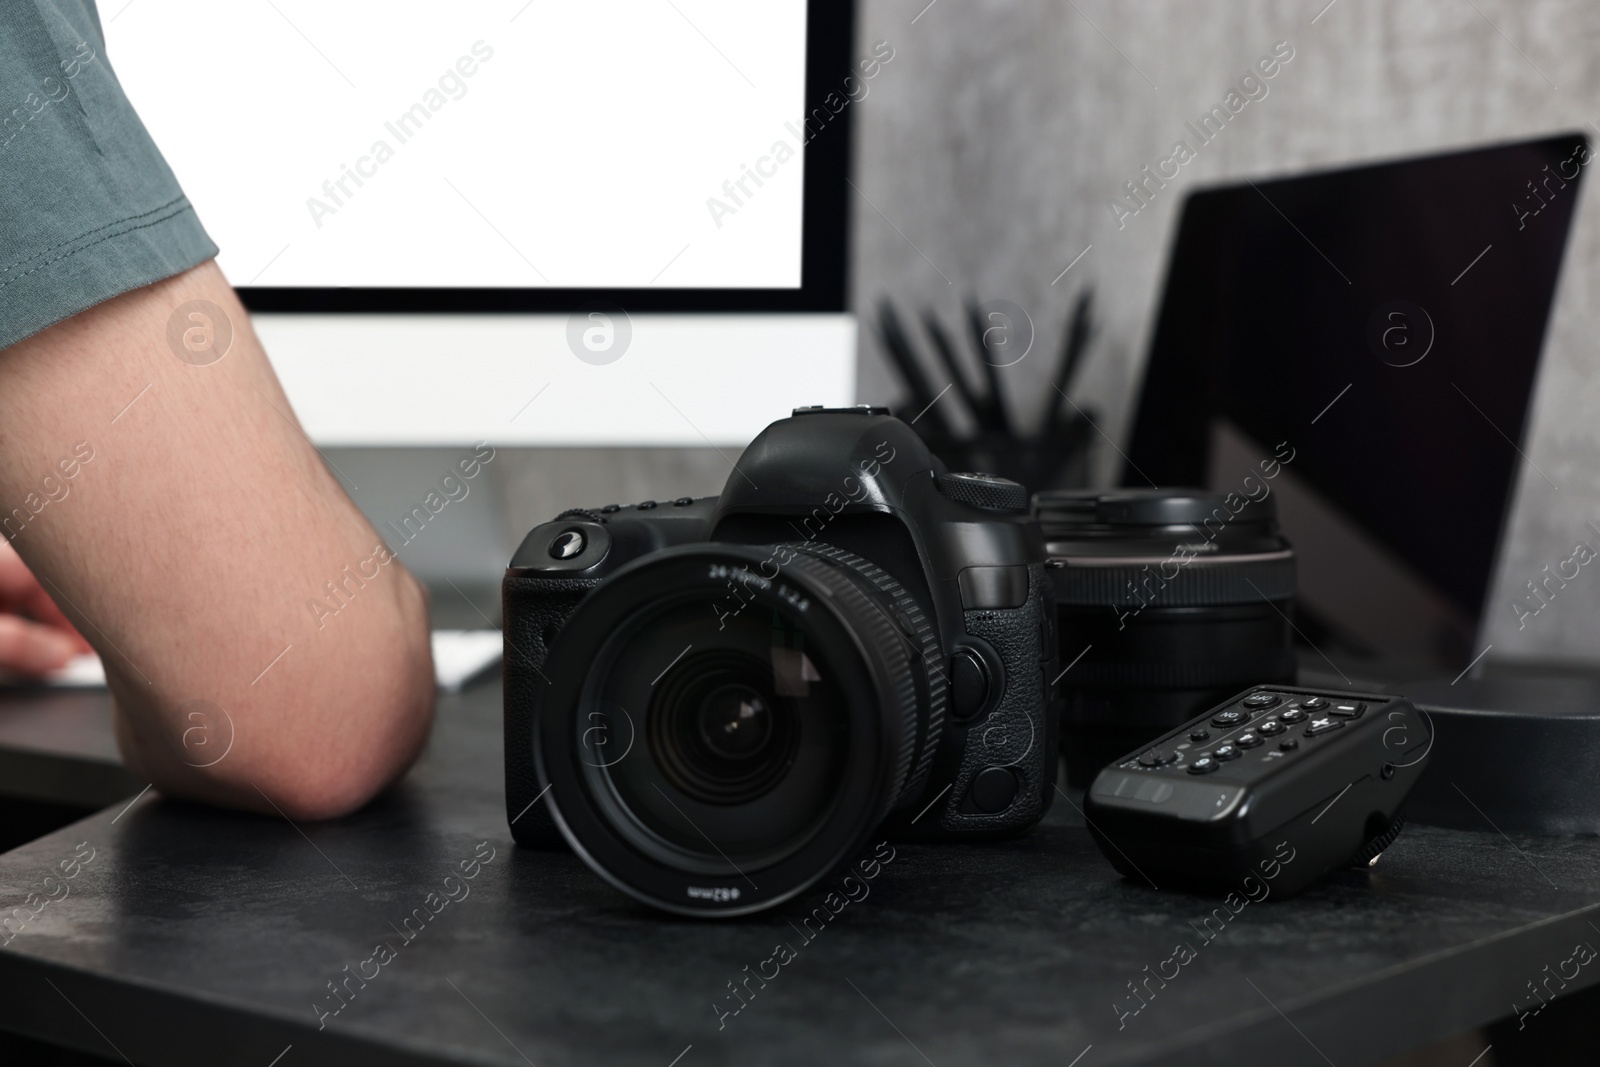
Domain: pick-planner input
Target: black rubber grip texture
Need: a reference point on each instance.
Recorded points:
(981, 491)
(1025, 710)
(535, 609)
(1196, 584)
(924, 643)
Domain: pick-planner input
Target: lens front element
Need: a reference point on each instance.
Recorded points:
(719, 731)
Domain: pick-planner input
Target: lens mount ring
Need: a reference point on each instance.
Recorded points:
(850, 635)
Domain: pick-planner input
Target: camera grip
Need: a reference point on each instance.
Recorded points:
(535, 609)
(1021, 732)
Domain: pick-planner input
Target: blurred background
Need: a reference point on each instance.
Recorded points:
(988, 152)
(982, 154)
(1000, 134)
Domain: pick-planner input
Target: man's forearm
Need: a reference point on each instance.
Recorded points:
(188, 546)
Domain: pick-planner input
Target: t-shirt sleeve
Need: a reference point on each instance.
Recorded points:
(88, 207)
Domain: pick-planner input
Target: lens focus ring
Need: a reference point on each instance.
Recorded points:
(825, 564)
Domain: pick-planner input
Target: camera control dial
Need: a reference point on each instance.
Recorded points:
(987, 491)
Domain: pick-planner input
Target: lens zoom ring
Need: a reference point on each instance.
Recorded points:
(1193, 585)
(882, 633)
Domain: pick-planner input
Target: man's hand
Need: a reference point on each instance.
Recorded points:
(35, 638)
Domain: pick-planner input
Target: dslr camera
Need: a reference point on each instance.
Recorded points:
(717, 703)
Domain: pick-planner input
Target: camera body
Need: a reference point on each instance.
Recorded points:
(867, 643)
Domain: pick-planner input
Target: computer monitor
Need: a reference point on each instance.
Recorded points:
(1382, 324)
(633, 211)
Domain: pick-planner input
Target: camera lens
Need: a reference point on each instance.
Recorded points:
(740, 757)
(1168, 600)
(718, 730)
(724, 725)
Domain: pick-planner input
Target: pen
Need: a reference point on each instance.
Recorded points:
(993, 415)
(946, 354)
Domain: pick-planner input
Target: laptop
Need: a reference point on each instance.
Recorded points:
(1386, 322)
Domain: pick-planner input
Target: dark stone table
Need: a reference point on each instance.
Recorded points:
(188, 936)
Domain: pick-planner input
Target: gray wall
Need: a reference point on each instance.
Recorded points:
(990, 146)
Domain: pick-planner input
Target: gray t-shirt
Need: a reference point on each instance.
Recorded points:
(88, 208)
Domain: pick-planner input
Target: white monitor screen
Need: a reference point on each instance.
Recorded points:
(509, 144)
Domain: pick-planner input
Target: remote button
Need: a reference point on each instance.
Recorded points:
(1314, 703)
(1227, 752)
(1349, 709)
(683, 501)
(1271, 728)
(1292, 715)
(1260, 700)
(1288, 744)
(646, 505)
(1248, 739)
(611, 509)
(1324, 725)
(1231, 717)
(1156, 759)
(1199, 735)
(1203, 765)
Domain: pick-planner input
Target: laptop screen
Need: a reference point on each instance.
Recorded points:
(1382, 326)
